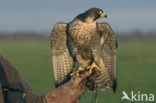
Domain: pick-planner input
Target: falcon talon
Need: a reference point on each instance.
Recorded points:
(88, 67)
(72, 74)
(77, 72)
(90, 70)
(92, 67)
(95, 66)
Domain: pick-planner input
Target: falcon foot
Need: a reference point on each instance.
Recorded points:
(91, 67)
(80, 69)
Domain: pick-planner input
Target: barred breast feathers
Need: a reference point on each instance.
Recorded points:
(82, 32)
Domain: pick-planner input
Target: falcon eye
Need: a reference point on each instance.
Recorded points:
(99, 12)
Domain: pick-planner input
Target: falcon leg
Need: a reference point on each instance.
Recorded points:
(78, 71)
(91, 67)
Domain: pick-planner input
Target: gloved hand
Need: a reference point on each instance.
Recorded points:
(69, 92)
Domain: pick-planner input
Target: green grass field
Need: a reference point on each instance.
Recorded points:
(136, 62)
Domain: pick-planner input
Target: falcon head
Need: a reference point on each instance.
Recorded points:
(92, 15)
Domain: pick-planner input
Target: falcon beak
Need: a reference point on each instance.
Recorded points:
(103, 15)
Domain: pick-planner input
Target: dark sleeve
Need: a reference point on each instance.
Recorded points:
(13, 76)
(30, 96)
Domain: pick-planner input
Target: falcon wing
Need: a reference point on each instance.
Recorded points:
(62, 62)
(109, 46)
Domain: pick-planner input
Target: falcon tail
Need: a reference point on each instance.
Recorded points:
(114, 86)
(95, 96)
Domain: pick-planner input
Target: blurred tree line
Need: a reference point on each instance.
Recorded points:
(137, 35)
(23, 36)
(134, 35)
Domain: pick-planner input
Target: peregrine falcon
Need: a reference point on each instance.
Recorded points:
(83, 44)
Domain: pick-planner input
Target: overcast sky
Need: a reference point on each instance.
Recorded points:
(41, 15)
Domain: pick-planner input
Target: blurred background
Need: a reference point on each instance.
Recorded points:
(25, 28)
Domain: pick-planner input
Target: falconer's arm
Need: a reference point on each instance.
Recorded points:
(69, 92)
(66, 93)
